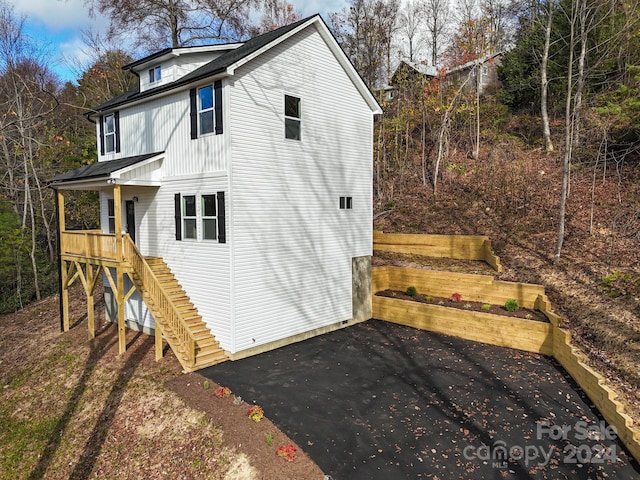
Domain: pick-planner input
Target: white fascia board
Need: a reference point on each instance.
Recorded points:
(177, 52)
(118, 173)
(88, 184)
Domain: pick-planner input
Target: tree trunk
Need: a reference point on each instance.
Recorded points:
(568, 143)
(548, 144)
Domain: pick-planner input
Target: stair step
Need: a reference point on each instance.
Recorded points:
(207, 344)
(210, 359)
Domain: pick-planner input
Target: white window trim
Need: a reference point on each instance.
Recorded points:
(186, 217)
(156, 73)
(286, 117)
(111, 202)
(109, 134)
(206, 110)
(203, 217)
(199, 217)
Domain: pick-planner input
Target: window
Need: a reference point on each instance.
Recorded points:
(111, 216)
(209, 221)
(292, 127)
(205, 109)
(189, 217)
(109, 133)
(155, 74)
(346, 203)
(200, 217)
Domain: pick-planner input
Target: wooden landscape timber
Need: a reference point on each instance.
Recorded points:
(528, 335)
(460, 247)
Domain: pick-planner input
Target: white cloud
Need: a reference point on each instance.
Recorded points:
(57, 15)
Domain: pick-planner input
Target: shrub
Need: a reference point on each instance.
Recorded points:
(467, 306)
(485, 307)
(268, 438)
(255, 413)
(511, 305)
(456, 297)
(411, 291)
(428, 298)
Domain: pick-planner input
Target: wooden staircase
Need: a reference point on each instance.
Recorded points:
(179, 320)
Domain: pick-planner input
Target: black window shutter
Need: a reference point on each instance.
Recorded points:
(178, 212)
(222, 232)
(193, 111)
(101, 134)
(217, 88)
(116, 121)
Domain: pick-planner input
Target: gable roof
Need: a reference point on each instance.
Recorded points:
(99, 170)
(226, 64)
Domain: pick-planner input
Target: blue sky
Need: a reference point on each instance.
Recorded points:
(57, 25)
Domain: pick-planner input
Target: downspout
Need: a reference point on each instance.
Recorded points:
(59, 252)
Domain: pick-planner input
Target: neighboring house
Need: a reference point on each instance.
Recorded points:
(243, 175)
(487, 66)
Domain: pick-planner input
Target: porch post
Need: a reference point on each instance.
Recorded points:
(158, 335)
(122, 340)
(64, 290)
(117, 210)
(90, 304)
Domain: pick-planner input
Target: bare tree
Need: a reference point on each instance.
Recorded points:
(277, 13)
(438, 16)
(411, 19)
(544, 82)
(183, 22)
(365, 30)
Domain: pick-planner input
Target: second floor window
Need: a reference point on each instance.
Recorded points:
(292, 115)
(155, 74)
(109, 133)
(205, 109)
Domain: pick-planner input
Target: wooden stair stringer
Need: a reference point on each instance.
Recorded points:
(207, 349)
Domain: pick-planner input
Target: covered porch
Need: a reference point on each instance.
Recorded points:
(86, 255)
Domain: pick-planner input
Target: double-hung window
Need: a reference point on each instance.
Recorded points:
(205, 109)
(109, 133)
(111, 216)
(155, 74)
(189, 217)
(292, 118)
(208, 216)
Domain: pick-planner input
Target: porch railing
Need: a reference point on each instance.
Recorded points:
(162, 308)
(89, 244)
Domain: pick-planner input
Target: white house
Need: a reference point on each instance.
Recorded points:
(243, 174)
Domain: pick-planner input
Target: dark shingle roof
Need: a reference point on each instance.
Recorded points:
(101, 169)
(214, 67)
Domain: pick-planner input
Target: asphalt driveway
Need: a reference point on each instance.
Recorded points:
(383, 401)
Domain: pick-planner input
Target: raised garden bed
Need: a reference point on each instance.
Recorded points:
(462, 304)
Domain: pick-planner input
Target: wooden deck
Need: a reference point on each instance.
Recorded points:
(88, 254)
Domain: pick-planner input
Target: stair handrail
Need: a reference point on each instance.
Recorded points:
(161, 300)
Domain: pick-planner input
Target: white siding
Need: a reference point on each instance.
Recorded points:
(163, 124)
(292, 246)
(201, 267)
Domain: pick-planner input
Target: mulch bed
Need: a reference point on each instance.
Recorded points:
(243, 433)
(463, 304)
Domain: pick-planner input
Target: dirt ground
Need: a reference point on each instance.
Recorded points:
(73, 408)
